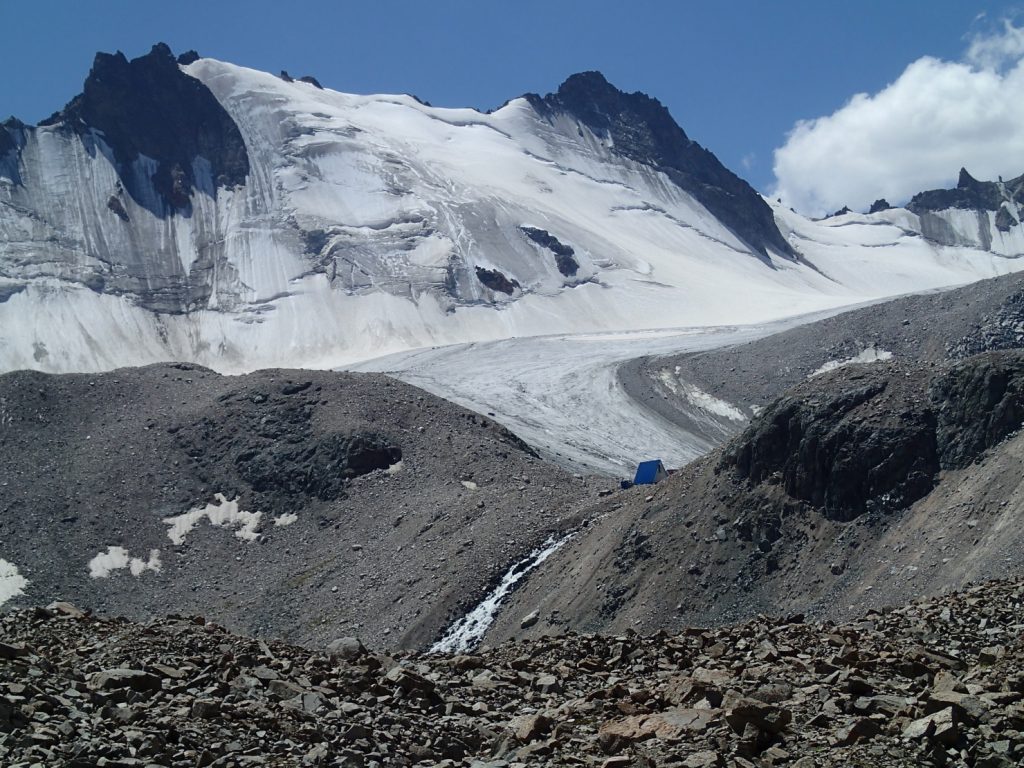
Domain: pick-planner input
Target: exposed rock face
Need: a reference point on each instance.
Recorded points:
(1005, 221)
(567, 265)
(842, 445)
(497, 281)
(896, 688)
(6, 141)
(978, 403)
(969, 194)
(875, 438)
(641, 129)
(879, 205)
(11, 132)
(267, 447)
(149, 107)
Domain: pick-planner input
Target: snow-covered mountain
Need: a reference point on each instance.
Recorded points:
(190, 209)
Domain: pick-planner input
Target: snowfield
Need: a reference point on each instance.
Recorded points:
(364, 219)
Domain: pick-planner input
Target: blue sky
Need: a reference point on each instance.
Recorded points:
(736, 75)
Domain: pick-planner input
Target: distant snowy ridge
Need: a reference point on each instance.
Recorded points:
(313, 228)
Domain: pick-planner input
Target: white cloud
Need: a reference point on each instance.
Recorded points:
(997, 51)
(914, 134)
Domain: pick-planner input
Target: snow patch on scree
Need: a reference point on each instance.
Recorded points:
(869, 355)
(12, 583)
(117, 558)
(466, 633)
(698, 398)
(222, 513)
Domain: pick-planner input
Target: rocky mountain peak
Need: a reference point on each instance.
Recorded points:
(969, 194)
(642, 129)
(148, 106)
(966, 181)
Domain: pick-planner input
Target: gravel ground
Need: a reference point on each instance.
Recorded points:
(930, 684)
(99, 461)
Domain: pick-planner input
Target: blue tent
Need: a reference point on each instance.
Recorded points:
(650, 472)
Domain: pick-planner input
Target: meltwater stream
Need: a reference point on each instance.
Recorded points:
(466, 633)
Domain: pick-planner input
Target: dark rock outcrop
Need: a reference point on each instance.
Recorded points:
(272, 451)
(318, 468)
(641, 129)
(1005, 220)
(862, 440)
(841, 212)
(115, 205)
(11, 139)
(845, 447)
(149, 107)
(978, 403)
(7, 143)
(969, 194)
(311, 80)
(881, 204)
(497, 281)
(188, 57)
(564, 254)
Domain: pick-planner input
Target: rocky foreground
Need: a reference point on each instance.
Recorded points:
(935, 683)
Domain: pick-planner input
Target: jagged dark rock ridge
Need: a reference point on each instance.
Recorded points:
(969, 194)
(148, 106)
(642, 130)
(881, 204)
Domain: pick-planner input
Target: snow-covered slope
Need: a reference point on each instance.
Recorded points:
(281, 224)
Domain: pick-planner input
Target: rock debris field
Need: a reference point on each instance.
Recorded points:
(935, 683)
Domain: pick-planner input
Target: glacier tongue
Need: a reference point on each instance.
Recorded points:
(369, 225)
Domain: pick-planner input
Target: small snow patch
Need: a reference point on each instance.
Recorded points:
(869, 355)
(698, 398)
(394, 469)
(286, 519)
(117, 558)
(12, 583)
(470, 485)
(222, 513)
(466, 633)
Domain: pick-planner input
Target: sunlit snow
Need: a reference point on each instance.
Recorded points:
(868, 355)
(221, 513)
(12, 583)
(410, 200)
(698, 397)
(118, 558)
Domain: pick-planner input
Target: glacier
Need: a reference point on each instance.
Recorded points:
(367, 226)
